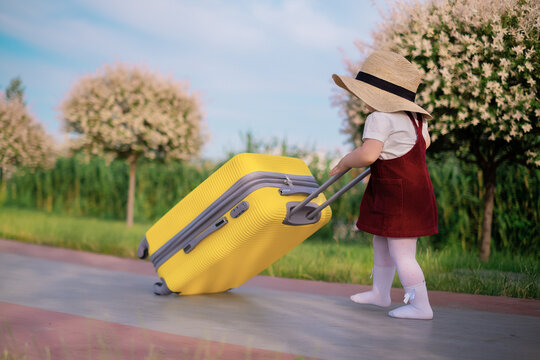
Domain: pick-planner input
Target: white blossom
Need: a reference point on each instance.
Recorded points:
(23, 141)
(470, 81)
(125, 110)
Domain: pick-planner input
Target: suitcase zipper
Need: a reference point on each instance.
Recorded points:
(205, 223)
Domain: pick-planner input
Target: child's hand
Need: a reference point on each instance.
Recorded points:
(339, 168)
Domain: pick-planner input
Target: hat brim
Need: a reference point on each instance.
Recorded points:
(377, 98)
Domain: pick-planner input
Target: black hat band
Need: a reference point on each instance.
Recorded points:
(386, 86)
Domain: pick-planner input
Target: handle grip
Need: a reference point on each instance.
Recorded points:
(333, 198)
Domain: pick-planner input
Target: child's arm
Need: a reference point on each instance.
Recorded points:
(361, 157)
(425, 134)
(428, 141)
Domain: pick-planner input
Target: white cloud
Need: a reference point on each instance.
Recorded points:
(302, 23)
(230, 45)
(208, 23)
(247, 25)
(70, 38)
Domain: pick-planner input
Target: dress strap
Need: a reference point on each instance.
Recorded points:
(417, 126)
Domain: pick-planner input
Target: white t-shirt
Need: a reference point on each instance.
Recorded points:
(395, 130)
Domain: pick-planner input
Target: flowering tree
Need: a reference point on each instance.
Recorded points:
(129, 112)
(480, 62)
(23, 141)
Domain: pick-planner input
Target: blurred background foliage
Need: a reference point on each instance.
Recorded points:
(78, 187)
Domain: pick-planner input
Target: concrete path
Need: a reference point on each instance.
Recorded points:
(71, 304)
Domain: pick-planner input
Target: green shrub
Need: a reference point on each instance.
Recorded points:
(96, 189)
(459, 188)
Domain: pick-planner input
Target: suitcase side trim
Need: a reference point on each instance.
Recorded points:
(238, 191)
(218, 225)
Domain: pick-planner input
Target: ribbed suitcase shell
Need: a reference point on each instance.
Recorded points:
(243, 247)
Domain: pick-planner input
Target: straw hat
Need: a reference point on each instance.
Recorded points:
(387, 82)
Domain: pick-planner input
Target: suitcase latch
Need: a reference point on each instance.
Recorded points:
(293, 190)
(239, 209)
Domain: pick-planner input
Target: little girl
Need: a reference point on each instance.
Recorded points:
(398, 205)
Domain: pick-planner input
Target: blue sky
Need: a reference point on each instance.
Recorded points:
(260, 66)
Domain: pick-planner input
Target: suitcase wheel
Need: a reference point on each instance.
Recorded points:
(160, 288)
(142, 250)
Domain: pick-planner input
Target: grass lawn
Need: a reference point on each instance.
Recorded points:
(347, 261)
(80, 233)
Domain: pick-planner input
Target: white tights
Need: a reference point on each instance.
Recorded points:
(400, 254)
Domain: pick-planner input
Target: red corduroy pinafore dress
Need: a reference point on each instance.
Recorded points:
(399, 199)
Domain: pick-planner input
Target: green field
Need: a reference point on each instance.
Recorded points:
(348, 261)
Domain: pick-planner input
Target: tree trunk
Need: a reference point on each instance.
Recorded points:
(2, 186)
(489, 200)
(132, 160)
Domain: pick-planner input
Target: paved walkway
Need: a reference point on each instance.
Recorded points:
(77, 305)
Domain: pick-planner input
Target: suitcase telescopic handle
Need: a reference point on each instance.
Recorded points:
(333, 198)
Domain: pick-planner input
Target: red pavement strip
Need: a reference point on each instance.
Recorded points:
(31, 333)
(498, 304)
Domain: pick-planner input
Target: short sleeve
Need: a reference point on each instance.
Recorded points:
(376, 127)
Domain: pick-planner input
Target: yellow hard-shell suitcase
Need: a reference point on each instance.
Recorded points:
(235, 224)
